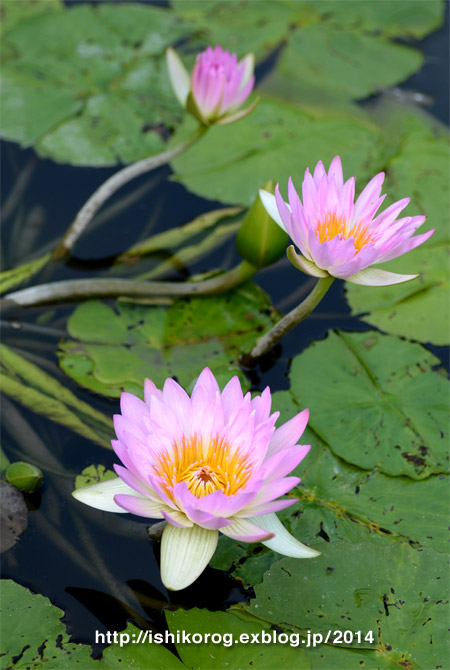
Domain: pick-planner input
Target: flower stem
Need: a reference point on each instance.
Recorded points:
(77, 289)
(111, 185)
(268, 341)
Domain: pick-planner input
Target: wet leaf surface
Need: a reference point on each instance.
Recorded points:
(119, 345)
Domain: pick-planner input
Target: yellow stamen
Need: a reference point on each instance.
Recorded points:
(332, 225)
(204, 467)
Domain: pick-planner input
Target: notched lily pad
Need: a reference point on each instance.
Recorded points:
(93, 474)
(120, 344)
(376, 401)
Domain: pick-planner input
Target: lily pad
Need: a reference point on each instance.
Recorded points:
(396, 19)
(376, 401)
(275, 141)
(33, 635)
(119, 345)
(418, 310)
(395, 592)
(15, 12)
(238, 650)
(93, 89)
(339, 502)
(93, 474)
(350, 61)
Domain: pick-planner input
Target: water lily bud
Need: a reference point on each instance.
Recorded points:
(218, 86)
(260, 241)
(24, 476)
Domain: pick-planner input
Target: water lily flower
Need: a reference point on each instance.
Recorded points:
(218, 86)
(339, 237)
(206, 463)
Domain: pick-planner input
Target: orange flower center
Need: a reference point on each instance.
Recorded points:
(204, 467)
(331, 226)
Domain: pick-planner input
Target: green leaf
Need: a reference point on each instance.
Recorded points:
(376, 401)
(43, 394)
(394, 591)
(233, 654)
(347, 60)
(21, 273)
(15, 12)
(33, 635)
(240, 26)
(417, 309)
(92, 88)
(401, 18)
(93, 474)
(340, 502)
(119, 346)
(138, 655)
(276, 141)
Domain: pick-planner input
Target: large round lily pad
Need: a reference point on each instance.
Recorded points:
(376, 401)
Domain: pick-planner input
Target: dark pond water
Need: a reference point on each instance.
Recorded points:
(100, 571)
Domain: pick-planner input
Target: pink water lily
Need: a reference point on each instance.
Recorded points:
(218, 86)
(339, 237)
(213, 461)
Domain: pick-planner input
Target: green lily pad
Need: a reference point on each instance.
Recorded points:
(15, 12)
(237, 650)
(118, 346)
(395, 592)
(33, 635)
(396, 19)
(376, 401)
(350, 61)
(340, 502)
(275, 141)
(93, 89)
(418, 309)
(93, 474)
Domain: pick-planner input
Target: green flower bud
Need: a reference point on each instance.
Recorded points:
(24, 476)
(260, 240)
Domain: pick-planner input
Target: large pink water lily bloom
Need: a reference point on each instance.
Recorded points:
(339, 237)
(218, 86)
(213, 461)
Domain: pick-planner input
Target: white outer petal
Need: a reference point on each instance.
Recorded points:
(284, 542)
(304, 265)
(249, 62)
(270, 205)
(101, 495)
(179, 76)
(377, 277)
(185, 553)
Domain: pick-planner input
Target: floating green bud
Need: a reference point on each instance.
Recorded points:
(24, 476)
(260, 241)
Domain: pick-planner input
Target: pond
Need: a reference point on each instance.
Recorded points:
(368, 362)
